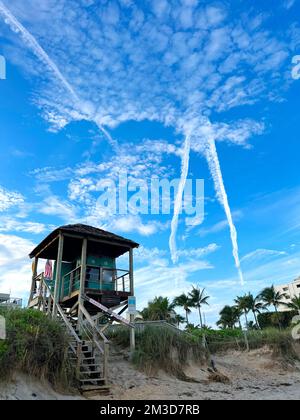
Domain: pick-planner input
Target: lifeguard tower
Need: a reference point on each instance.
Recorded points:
(86, 290)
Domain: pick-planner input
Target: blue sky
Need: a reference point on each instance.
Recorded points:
(95, 86)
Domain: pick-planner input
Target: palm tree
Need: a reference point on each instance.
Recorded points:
(294, 304)
(184, 302)
(198, 299)
(228, 317)
(178, 319)
(238, 314)
(252, 326)
(255, 306)
(242, 303)
(159, 309)
(269, 297)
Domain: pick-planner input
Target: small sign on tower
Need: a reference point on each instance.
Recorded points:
(132, 305)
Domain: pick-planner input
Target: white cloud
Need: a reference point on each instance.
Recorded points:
(54, 206)
(9, 199)
(288, 4)
(219, 226)
(15, 266)
(52, 174)
(261, 255)
(239, 132)
(280, 270)
(197, 252)
(169, 66)
(149, 254)
(163, 48)
(8, 224)
(159, 278)
(132, 223)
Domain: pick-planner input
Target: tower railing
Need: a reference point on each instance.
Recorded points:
(107, 279)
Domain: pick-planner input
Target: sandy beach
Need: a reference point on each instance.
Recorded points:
(254, 375)
(248, 376)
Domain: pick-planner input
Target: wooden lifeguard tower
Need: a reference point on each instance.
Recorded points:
(87, 292)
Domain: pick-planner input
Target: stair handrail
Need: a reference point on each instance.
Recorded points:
(94, 329)
(91, 324)
(63, 316)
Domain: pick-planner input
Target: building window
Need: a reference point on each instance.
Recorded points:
(108, 276)
(92, 277)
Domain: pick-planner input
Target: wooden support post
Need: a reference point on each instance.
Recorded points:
(105, 362)
(58, 273)
(246, 341)
(101, 278)
(82, 278)
(40, 296)
(33, 282)
(62, 288)
(71, 283)
(44, 298)
(132, 330)
(79, 359)
(131, 272)
(49, 303)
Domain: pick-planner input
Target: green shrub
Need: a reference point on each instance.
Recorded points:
(280, 341)
(36, 345)
(273, 319)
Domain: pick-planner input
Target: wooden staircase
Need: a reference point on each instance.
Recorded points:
(89, 365)
(88, 345)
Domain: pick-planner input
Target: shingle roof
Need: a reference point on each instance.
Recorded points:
(85, 231)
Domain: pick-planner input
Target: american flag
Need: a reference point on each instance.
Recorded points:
(48, 270)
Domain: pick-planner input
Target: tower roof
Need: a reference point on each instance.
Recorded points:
(117, 245)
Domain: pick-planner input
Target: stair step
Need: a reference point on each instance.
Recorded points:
(90, 372)
(99, 388)
(90, 366)
(86, 381)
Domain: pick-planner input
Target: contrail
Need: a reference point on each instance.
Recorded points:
(30, 40)
(215, 169)
(11, 20)
(179, 197)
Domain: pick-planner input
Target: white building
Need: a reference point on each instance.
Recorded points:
(290, 291)
(6, 300)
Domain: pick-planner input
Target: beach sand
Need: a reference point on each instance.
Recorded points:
(245, 376)
(254, 375)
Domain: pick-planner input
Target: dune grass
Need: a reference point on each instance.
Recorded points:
(35, 345)
(162, 348)
(279, 341)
